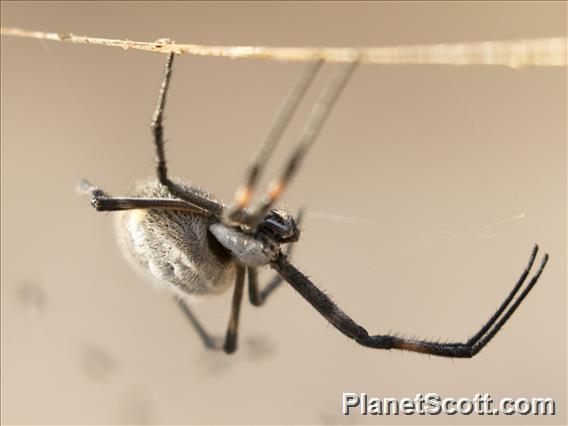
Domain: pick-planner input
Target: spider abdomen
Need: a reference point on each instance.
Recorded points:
(174, 247)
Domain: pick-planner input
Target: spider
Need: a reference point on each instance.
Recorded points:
(185, 239)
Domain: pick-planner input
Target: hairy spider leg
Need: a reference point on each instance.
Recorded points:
(158, 133)
(475, 338)
(313, 126)
(101, 201)
(245, 191)
(340, 320)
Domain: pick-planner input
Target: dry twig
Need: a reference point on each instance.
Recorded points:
(517, 53)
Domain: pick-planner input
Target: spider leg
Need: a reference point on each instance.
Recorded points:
(103, 202)
(230, 345)
(351, 329)
(475, 338)
(158, 133)
(313, 126)
(258, 297)
(210, 342)
(287, 109)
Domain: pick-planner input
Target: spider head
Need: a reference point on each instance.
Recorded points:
(280, 226)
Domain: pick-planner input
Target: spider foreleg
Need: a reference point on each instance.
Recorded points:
(312, 128)
(236, 212)
(509, 298)
(319, 300)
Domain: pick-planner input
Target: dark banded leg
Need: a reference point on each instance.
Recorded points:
(103, 202)
(350, 328)
(258, 297)
(230, 342)
(158, 133)
(313, 126)
(243, 195)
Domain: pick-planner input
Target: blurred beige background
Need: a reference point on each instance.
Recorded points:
(425, 193)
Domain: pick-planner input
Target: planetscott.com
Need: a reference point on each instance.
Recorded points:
(434, 404)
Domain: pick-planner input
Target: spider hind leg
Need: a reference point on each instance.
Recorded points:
(229, 343)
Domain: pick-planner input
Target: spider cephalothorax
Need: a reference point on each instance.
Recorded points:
(184, 238)
(261, 246)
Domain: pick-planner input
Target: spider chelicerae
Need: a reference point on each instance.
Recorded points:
(183, 238)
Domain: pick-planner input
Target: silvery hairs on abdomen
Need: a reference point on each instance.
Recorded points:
(173, 248)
